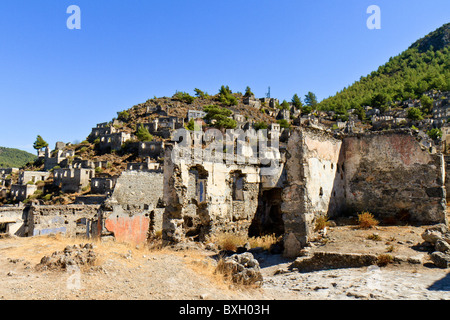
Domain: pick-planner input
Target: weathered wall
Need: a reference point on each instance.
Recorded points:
(385, 173)
(206, 199)
(313, 186)
(136, 206)
(14, 220)
(70, 220)
(388, 174)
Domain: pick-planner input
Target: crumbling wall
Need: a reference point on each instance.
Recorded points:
(70, 220)
(136, 206)
(313, 187)
(13, 221)
(388, 174)
(207, 199)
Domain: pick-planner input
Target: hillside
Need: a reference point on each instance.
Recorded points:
(424, 66)
(14, 158)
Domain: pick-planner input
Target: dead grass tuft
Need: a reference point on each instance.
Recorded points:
(321, 223)
(384, 260)
(366, 220)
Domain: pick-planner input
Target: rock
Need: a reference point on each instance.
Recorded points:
(431, 236)
(211, 246)
(71, 256)
(415, 259)
(442, 246)
(333, 260)
(10, 274)
(440, 259)
(442, 228)
(276, 248)
(204, 296)
(242, 268)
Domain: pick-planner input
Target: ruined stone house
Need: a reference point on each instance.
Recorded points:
(386, 173)
(113, 141)
(72, 180)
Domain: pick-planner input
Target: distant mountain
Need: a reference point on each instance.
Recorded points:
(424, 66)
(14, 158)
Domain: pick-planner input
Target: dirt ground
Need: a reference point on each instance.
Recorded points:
(125, 272)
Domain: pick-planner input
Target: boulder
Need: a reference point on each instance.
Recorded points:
(440, 259)
(333, 260)
(442, 246)
(241, 268)
(431, 236)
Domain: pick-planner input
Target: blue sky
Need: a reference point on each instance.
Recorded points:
(59, 83)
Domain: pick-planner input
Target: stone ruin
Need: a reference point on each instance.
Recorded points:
(388, 173)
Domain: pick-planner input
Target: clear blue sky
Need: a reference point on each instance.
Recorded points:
(59, 83)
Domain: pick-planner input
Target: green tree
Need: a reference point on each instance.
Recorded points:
(285, 105)
(192, 125)
(306, 109)
(143, 134)
(311, 99)
(297, 102)
(415, 114)
(183, 97)
(435, 133)
(284, 123)
(427, 104)
(248, 92)
(123, 116)
(200, 94)
(260, 125)
(219, 117)
(226, 96)
(380, 101)
(40, 143)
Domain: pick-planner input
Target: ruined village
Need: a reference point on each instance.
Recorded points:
(283, 235)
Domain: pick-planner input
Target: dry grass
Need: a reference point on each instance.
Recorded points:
(366, 220)
(384, 260)
(374, 237)
(321, 223)
(230, 242)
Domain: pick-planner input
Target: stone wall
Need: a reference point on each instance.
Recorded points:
(313, 186)
(70, 220)
(389, 175)
(13, 220)
(202, 200)
(135, 208)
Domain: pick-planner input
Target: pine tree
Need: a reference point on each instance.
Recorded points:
(143, 134)
(297, 102)
(40, 143)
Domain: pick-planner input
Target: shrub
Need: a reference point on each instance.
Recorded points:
(384, 260)
(284, 123)
(321, 223)
(260, 125)
(366, 220)
(183, 97)
(123, 116)
(264, 242)
(374, 237)
(226, 96)
(143, 134)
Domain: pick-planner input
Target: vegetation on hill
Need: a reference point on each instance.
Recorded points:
(423, 67)
(14, 158)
